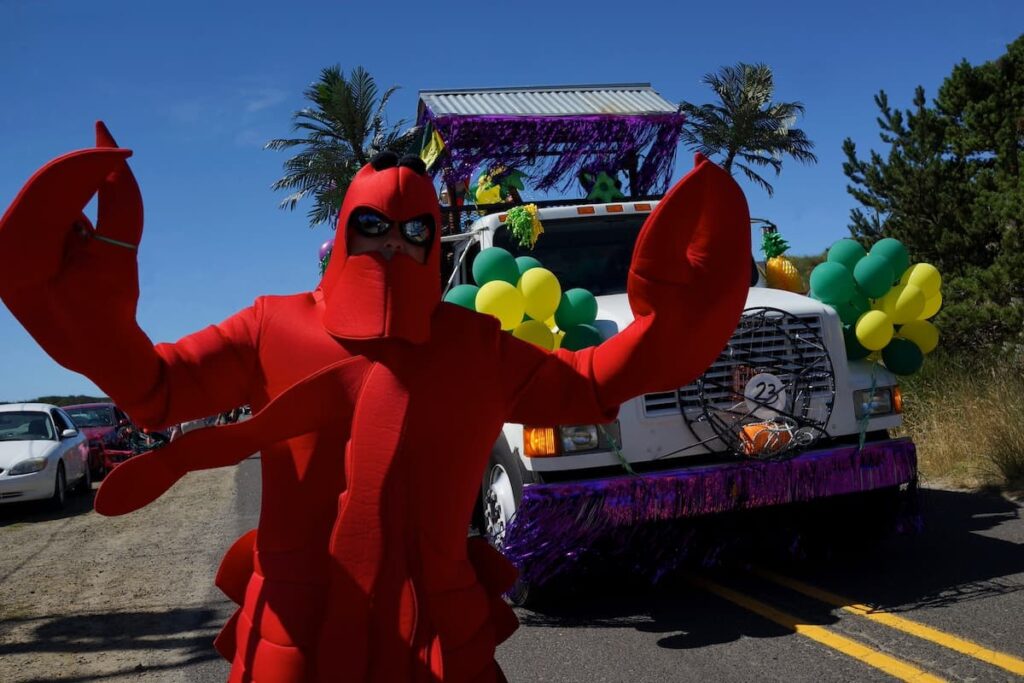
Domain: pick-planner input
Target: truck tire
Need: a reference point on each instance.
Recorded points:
(500, 494)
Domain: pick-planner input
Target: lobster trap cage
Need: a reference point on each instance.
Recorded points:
(771, 391)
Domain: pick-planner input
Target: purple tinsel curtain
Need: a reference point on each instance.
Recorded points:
(555, 148)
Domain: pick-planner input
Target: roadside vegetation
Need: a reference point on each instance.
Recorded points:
(966, 415)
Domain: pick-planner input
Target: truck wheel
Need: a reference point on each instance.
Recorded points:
(500, 495)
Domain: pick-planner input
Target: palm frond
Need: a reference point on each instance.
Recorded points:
(344, 126)
(745, 126)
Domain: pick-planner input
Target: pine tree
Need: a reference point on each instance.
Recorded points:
(951, 189)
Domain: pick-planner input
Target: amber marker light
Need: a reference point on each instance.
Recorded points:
(897, 400)
(539, 442)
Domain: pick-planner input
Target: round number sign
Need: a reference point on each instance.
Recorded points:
(765, 391)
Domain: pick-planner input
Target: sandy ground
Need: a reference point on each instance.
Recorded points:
(85, 597)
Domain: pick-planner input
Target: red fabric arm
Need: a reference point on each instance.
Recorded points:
(210, 371)
(688, 283)
(551, 388)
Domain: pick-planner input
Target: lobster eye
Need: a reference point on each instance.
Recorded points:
(418, 231)
(369, 223)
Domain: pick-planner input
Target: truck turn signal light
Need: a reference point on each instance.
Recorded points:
(539, 442)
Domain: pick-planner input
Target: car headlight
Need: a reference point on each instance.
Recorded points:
(28, 466)
(878, 402)
(578, 438)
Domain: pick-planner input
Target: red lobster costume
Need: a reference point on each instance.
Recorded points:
(375, 408)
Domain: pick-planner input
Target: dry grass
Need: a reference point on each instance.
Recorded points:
(966, 416)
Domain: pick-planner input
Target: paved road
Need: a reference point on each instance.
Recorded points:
(951, 599)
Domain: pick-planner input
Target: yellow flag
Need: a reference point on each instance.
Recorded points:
(432, 150)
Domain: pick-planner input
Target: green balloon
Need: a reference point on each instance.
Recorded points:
(463, 295)
(578, 307)
(525, 263)
(893, 251)
(902, 357)
(874, 276)
(495, 264)
(832, 283)
(860, 300)
(854, 349)
(846, 252)
(580, 337)
(848, 313)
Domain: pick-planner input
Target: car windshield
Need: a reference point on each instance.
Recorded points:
(26, 426)
(592, 253)
(100, 416)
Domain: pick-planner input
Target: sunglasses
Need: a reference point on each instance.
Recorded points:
(417, 231)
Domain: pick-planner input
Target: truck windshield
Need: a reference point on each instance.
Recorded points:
(592, 252)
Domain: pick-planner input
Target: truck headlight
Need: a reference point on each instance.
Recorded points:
(878, 402)
(28, 466)
(578, 438)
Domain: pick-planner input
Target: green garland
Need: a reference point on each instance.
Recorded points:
(524, 225)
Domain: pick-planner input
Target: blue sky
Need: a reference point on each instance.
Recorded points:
(196, 88)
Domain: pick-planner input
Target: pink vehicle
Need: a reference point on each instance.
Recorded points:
(108, 430)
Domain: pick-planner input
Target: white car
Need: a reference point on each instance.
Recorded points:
(41, 454)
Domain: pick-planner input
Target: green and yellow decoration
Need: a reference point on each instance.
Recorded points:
(498, 185)
(885, 303)
(527, 300)
(523, 223)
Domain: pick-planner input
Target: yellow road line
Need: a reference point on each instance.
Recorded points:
(897, 668)
(962, 645)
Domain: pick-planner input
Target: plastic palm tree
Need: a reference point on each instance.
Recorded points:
(342, 131)
(746, 129)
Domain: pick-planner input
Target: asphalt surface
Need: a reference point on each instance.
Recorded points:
(949, 606)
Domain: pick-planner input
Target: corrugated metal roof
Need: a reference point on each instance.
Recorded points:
(555, 100)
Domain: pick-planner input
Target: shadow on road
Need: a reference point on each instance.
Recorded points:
(188, 631)
(969, 547)
(35, 511)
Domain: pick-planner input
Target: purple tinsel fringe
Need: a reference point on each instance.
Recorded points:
(555, 524)
(559, 146)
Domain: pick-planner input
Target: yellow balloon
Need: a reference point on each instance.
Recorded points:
(550, 322)
(503, 301)
(536, 333)
(931, 306)
(924, 275)
(541, 292)
(903, 303)
(874, 330)
(922, 333)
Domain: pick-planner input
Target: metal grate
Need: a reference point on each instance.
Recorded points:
(752, 350)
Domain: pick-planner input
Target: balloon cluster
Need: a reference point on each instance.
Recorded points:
(883, 301)
(528, 301)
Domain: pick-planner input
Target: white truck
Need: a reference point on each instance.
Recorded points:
(781, 417)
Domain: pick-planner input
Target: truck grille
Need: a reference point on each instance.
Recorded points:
(748, 352)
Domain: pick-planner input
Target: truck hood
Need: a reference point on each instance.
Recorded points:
(613, 312)
(13, 452)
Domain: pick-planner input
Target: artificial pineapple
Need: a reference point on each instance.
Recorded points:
(779, 270)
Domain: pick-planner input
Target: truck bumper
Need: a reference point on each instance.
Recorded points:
(555, 521)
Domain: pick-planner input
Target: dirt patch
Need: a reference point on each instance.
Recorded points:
(130, 598)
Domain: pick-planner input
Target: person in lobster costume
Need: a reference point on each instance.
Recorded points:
(376, 405)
